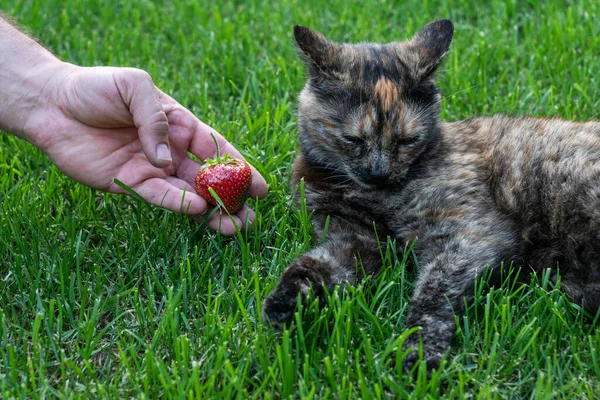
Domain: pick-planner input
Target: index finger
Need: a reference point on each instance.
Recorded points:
(142, 99)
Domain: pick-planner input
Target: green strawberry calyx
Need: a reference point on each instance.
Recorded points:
(225, 159)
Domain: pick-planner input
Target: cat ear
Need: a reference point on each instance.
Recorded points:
(318, 53)
(432, 44)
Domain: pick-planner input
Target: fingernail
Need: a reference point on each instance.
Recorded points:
(162, 152)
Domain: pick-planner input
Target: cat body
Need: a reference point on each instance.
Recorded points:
(475, 194)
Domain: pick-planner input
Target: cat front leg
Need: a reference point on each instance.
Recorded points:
(446, 282)
(341, 259)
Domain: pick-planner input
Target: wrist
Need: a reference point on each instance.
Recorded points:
(41, 105)
(28, 80)
(24, 91)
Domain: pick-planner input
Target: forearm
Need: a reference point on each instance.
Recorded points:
(26, 69)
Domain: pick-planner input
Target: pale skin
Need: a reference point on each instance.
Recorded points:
(98, 124)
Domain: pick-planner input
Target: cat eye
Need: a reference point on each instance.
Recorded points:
(355, 140)
(405, 140)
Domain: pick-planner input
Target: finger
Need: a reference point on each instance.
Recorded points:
(201, 142)
(259, 186)
(162, 193)
(225, 224)
(203, 145)
(187, 170)
(220, 222)
(181, 184)
(246, 215)
(142, 98)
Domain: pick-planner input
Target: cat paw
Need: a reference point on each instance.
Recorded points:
(295, 284)
(432, 355)
(432, 361)
(278, 310)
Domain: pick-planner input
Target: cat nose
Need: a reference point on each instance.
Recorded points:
(378, 175)
(379, 171)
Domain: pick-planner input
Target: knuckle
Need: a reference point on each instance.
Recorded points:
(159, 131)
(131, 80)
(141, 75)
(158, 121)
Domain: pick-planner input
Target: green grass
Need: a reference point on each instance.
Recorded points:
(104, 296)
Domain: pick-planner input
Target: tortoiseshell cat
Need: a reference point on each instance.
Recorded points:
(476, 193)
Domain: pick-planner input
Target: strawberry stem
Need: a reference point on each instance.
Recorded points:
(218, 155)
(217, 159)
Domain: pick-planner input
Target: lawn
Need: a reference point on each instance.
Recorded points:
(105, 296)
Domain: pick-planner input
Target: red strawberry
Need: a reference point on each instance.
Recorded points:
(229, 177)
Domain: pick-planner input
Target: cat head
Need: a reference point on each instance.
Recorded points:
(368, 111)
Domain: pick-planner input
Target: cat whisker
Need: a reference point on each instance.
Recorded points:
(437, 102)
(460, 91)
(279, 125)
(340, 183)
(424, 111)
(336, 176)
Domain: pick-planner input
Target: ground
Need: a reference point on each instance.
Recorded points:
(104, 296)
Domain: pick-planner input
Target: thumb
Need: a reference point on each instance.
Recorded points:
(142, 99)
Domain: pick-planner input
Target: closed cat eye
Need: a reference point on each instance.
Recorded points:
(353, 139)
(407, 140)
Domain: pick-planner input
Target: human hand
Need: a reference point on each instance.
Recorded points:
(101, 123)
